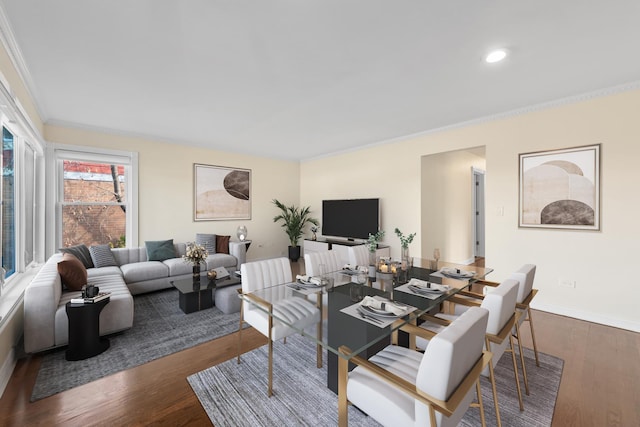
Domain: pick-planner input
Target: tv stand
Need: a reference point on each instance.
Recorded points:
(340, 246)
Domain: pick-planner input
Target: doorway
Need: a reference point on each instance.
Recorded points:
(478, 212)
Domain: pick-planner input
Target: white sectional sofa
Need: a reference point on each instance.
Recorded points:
(45, 319)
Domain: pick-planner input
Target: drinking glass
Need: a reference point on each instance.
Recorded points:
(436, 256)
(361, 278)
(356, 292)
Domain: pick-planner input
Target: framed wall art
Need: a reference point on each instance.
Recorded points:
(560, 189)
(221, 193)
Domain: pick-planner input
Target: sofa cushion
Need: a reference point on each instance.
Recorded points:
(178, 266)
(72, 272)
(102, 256)
(81, 252)
(221, 260)
(146, 270)
(208, 241)
(159, 250)
(222, 244)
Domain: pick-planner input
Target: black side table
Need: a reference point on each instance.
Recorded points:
(84, 330)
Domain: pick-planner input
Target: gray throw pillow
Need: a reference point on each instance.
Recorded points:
(159, 250)
(208, 241)
(102, 256)
(81, 252)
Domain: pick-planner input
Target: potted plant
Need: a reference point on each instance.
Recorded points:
(294, 220)
(404, 243)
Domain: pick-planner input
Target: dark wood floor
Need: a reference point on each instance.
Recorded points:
(600, 383)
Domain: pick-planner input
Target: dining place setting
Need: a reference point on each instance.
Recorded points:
(378, 311)
(424, 288)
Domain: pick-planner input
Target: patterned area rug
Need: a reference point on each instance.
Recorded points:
(235, 395)
(159, 328)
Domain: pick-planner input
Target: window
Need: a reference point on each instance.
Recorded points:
(95, 197)
(8, 204)
(17, 212)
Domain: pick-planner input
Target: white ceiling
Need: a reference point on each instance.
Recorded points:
(300, 79)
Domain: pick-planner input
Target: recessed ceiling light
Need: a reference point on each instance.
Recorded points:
(496, 56)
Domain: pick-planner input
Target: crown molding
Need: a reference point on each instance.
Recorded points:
(574, 99)
(15, 54)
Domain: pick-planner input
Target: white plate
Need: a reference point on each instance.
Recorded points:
(426, 290)
(378, 312)
(307, 284)
(458, 275)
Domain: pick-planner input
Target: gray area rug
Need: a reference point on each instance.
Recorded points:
(235, 395)
(159, 328)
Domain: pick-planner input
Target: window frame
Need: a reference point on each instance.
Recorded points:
(128, 159)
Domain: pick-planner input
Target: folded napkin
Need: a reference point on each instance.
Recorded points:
(456, 272)
(350, 267)
(421, 284)
(309, 279)
(389, 306)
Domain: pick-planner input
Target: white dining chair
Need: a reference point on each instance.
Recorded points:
(358, 255)
(313, 261)
(501, 304)
(267, 315)
(525, 276)
(403, 387)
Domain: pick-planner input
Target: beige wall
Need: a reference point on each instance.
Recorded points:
(165, 190)
(601, 263)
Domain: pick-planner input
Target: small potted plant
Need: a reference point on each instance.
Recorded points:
(195, 254)
(404, 243)
(314, 230)
(294, 220)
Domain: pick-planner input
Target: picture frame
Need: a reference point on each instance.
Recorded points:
(221, 193)
(560, 189)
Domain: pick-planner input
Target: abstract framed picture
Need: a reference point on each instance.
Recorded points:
(221, 193)
(560, 189)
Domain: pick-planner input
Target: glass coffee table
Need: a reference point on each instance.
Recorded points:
(196, 295)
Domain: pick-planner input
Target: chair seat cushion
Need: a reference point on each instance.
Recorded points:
(296, 311)
(387, 405)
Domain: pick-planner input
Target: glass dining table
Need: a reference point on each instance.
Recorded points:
(354, 314)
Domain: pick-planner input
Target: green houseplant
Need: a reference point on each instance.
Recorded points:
(294, 220)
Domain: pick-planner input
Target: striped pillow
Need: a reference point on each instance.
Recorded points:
(102, 256)
(208, 241)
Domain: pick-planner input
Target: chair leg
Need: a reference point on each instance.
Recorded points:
(343, 376)
(524, 367)
(270, 387)
(515, 371)
(495, 393)
(240, 335)
(533, 335)
(479, 393)
(318, 346)
(493, 385)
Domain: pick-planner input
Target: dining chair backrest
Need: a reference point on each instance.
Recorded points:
(501, 303)
(358, 255)
(524, 276)
(269, 272)
(313, 260)
(447, 359)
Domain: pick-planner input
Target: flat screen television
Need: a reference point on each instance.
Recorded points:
(351, 218)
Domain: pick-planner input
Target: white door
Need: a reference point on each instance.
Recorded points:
(478, 212)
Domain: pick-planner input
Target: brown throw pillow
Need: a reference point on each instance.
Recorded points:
(72, 272)
(222, 244)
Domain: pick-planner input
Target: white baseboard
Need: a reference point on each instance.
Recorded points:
(588, 316)
(7, 369)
